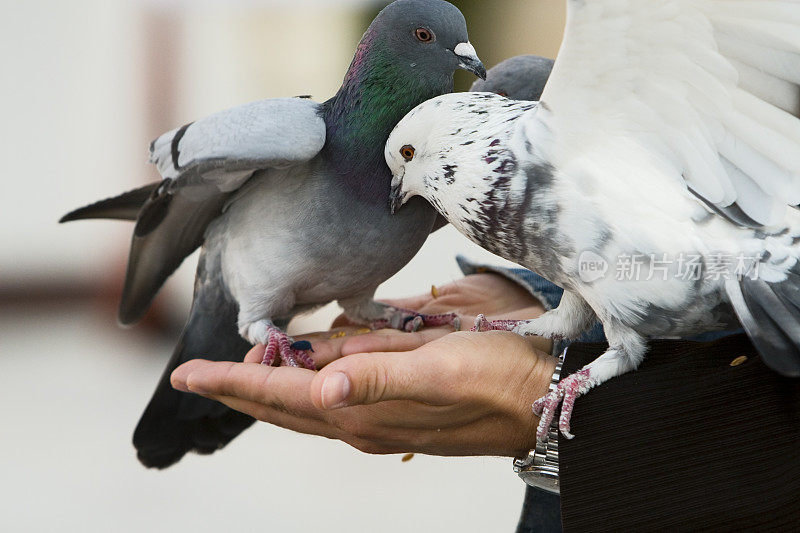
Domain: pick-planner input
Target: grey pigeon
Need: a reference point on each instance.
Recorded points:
(656, 181)
(517, 78)
(288, 199)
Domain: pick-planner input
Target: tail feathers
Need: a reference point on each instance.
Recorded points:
(770, 313)
(176, 423)
(126, 206)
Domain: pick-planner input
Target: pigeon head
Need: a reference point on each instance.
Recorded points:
(427, 39)
(454, 152)
(407, 55)
(518, 78)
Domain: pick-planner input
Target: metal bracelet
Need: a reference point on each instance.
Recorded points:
(540, 468)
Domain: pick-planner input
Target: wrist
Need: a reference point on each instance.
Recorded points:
(536, 385)
(539, 467)
(539, 387)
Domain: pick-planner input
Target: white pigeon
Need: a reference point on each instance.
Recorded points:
(656, 181)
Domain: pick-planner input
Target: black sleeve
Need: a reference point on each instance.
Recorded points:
(687, 442)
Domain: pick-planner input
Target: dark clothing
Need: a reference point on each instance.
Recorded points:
(541, 512)
(686, 442)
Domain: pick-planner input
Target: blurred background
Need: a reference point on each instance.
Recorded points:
(86, 85)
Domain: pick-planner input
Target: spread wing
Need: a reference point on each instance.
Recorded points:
(125, 206)
(203, 163)
(228, 147)
(710, 87)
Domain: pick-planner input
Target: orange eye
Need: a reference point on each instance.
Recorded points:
(407, 152)
(503, 94)
(424, 35)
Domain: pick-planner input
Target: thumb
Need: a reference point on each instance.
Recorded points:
(364, 379)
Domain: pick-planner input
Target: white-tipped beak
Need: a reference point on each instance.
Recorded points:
(466, 50)
(469, 60)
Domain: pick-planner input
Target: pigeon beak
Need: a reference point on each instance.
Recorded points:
(397, 197)
(468, 59)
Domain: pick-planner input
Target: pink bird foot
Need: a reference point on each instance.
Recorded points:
(281, 350)
(410, 321)
(481, 324)
(565, 394)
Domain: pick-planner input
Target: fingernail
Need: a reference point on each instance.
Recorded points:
(194, 388)
(197, 390)
(335, 390)
(178, 380)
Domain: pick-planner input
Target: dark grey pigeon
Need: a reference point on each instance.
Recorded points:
(288, 199)
(517, 78)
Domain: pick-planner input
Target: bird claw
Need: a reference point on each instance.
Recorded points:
(410, 321)
(433, 321)
(281, 350)
(413, 324)
(481, 324)
(566, 392)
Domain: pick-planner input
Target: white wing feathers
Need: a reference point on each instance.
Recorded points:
(227, 147)
(712, 86)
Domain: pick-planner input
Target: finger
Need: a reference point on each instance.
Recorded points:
(412, 415)
(539, 343)
(525, 313)
(342, 321)
(255, 355)
(391, 341)
(382, 440)
(326, 346)
(284, 389)
(279, 418)
(412, 303)
(364, 379)
(442, 299)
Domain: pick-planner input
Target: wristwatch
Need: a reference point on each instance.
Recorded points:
(540, 468)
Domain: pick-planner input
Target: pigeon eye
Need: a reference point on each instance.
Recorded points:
(424, 35)
(407, 152)
(503, 94)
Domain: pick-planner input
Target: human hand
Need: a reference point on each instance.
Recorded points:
(425, 392)
(489, 294)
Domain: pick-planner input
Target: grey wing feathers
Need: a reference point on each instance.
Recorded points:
(770, 314)
(264, 134)
(126, 206)
(203, 164)
(171, 225)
